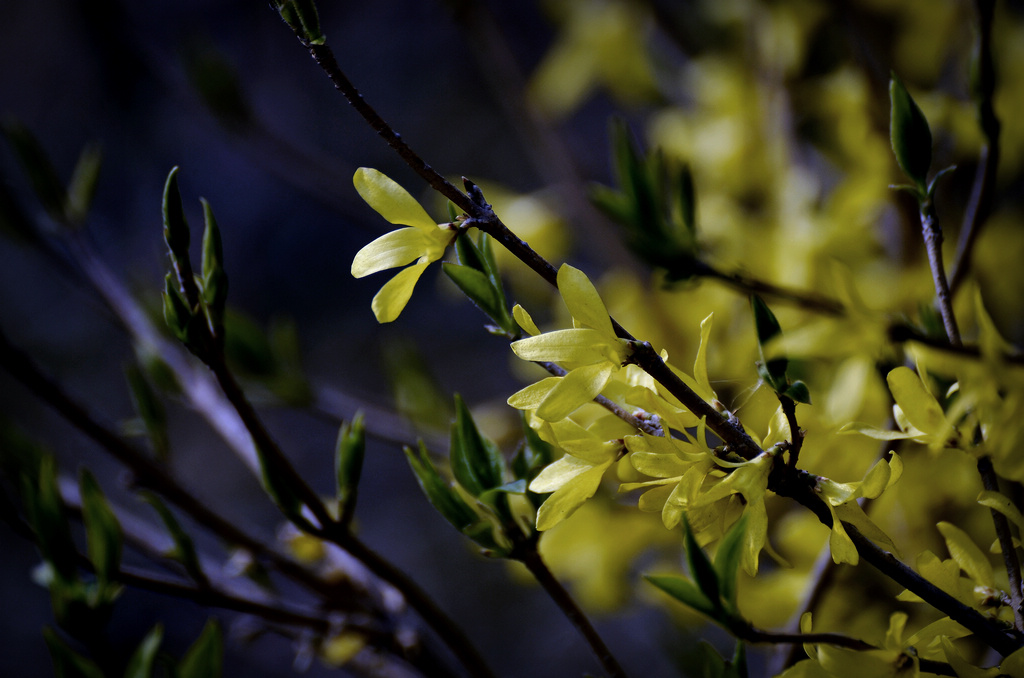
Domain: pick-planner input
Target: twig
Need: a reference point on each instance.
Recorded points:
(432, 615)
(933, 244)
(980, 205)
(530, 557)
(147, 473)
(1003, 531)
(811, 301)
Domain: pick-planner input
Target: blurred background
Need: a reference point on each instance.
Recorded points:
(516, 96)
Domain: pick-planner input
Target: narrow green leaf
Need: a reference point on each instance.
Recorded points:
(184, 548)
(476, 462)
(84, 179)
(205, 659)
(475, 285)
(215, 279)
(275, 483)
(685, 591)
(467, 252)
(177, 314)
(143, 661)
(38, 169)
(727, 560)
(738, 666)
(176, 233)
(687, 201)
(149, 408)
(448, 503)
(701, 569)
(66, 662)
(216, 80)
(767, 326)
(310, 20)
(348, 464)
(104, 537)
(910, 135)
(48, 516)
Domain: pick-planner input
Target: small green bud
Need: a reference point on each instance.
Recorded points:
(175, 225)
(910, 135)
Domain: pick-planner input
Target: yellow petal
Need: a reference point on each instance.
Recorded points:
(390, 200)
(570, 496)
(593, 451)
(843, 550)
(392, 298)
(580, 386)
(582, 300)
(700, 365)
(580, 345)
(524, 320)
(390, 250)
(531, 397)
(967, 555)
(918, 405)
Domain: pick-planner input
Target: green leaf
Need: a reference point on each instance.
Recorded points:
(84, 179)
(799, 392)
(467, 252)
(103, 533)
(738, 666)
(177, 314)
(685, 591)
(215, 279)
(66, 662)
(701, 569)
(772, 371)
(910, 135)
(176, 233)
(40, 172)
(142, 662)
(476, 462)
(216, 80)
(727, 560)
(149, 408)
(687, 201)
(48, 516)
(475, 285)
(205, 659)
(348, 464)
(184, 548)
(448, 503)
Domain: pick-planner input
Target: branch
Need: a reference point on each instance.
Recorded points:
(933, 244)
(980, 205)
(1003, 531)
(535, 564)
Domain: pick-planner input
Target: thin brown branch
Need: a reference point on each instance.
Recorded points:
(811, 301)
(981, 201)
(1003, 531)
(530, 557)
(933, 244)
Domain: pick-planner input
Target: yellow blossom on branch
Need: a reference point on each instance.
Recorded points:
(591, 349)
(424, 241)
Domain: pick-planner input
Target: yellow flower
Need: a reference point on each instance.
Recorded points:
(424, 241)
(574, 478)
(591, 347)
(841, 499)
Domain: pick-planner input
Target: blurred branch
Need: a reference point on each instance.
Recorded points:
(550, 155)
(980, 205)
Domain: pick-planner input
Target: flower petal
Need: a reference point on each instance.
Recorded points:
(390, 250)
(583, 301)
(531, 397)
(580, 345)
(918, 405)
(392, 298)
(390, 200)
(570, 496)
(576, 388)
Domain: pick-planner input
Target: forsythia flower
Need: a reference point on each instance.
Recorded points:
(841, 499)
(574, 478)
(591, 347)
(425, 241)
